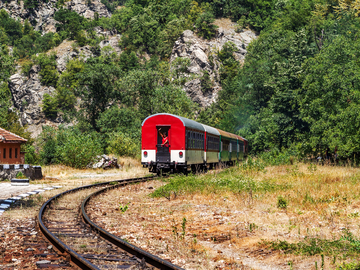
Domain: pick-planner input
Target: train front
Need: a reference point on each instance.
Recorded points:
(163, 143)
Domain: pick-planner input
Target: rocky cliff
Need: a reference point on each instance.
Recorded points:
(42, 17)
(28, 92)
(203, 56)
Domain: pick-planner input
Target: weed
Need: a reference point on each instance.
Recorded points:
(113, 183)
(175, 229)
(354, 215)
(231, 180)
(312, 168)
(349, 266)
(347, 245)
(183, 226)
(252, 227)
(251, 164)
(20, 175)
(282, 203)
(123, 208)
(82, 246)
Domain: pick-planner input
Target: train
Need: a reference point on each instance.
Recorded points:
(171, 143)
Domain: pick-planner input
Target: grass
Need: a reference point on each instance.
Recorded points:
(346, 245)
(299, 209)
(230, 180)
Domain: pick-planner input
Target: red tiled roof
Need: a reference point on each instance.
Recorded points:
(8, 136)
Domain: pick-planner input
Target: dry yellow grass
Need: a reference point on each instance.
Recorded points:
(322, 201)
(224, 229)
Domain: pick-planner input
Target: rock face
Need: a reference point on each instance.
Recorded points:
(203, 57)
(42, 17)
(28, 92)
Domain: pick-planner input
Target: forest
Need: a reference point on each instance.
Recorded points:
(296, 94)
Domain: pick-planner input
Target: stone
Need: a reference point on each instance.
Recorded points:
(43, 262)
(199, 50)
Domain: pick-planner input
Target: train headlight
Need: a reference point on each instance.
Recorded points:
(145, 153)
(181, 154)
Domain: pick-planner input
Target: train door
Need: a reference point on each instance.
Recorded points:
(163, 144)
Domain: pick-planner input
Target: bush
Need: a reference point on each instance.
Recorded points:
(204, 25)
(48, 145)
(121, 144)
(68, 146)
(281, 203)
(78, 150)
(31, 157)
(49, 106)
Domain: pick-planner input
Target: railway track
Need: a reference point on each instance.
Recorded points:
(65, 224)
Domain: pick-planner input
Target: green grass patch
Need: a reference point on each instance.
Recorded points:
(346, 245)
(233, 180)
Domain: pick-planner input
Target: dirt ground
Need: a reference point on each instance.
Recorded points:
(202, 231)
(216, 234)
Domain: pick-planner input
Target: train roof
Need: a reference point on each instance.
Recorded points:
(195, 125)
(211, 130)
(186, 122)
(241, 138)
(227, 134)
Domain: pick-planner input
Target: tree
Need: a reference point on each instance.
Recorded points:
(204, 25)
(96, 87)
(49, 106)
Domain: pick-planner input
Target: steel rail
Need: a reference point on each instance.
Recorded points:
(76, 258)
(134, 250)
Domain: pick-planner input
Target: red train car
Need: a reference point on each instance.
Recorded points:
(177, 144)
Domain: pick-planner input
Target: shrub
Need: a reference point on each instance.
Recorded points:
(31, 157)
(121, 144)
(78, 150)
(50, 106)
(204, 25)
(282, 203)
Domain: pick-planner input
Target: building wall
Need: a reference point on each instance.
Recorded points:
(7, 148)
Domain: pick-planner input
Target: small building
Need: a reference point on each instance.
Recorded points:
(10, 148)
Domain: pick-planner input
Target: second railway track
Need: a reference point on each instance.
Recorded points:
(88, 246)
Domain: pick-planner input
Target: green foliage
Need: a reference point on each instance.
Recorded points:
(48, 73)
(347, 245)
(230, 65)
(123, 120)
(67, 83)
(20, 175)
(96, 87)
(70, 23)
(68, 146)
(206, 83)
(204, 25)
(31, 3)
(123, 208)
(123, 145)
(128, 61)
(281, 202)
(48, 143)
(226, 181)
(31, 157)
(49, 106)
(26, 65)
(78, 150)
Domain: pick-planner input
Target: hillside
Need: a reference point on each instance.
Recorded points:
(95, 69)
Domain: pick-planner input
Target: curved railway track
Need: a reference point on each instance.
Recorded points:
(67, 226)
